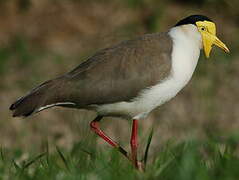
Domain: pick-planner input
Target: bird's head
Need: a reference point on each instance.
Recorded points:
(207, 28)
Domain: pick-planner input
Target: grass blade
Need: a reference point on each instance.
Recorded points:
(17, 167)
(47, 152)
(2, 154)
(63, 158)
(147, 147)
(26, 165)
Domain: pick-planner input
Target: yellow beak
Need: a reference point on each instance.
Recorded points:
(209, 38)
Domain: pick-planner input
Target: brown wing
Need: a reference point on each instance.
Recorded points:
(121, 72)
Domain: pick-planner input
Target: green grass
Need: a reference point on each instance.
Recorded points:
(193, 159)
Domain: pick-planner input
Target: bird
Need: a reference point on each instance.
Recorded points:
(129, 79)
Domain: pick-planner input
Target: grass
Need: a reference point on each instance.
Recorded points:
(194, 159)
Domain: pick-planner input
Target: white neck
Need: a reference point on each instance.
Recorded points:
(187, 32)
(187, 43)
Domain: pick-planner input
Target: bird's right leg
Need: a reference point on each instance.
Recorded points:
(96, 128)
(134, 146)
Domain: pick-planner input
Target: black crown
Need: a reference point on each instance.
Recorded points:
(193, 19)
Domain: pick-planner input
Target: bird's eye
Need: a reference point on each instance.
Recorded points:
(203, 28)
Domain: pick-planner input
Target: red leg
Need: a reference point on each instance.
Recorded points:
(134, 142)
(96, 128)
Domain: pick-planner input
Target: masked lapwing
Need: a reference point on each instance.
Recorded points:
(129, 79)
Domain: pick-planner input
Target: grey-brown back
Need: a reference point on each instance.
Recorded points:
(119, 73)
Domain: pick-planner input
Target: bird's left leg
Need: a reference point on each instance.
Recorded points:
(134, 143)
(134, 146)
(95, 126)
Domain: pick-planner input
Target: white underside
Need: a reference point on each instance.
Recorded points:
(186, 50)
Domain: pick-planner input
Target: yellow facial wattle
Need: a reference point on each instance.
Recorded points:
(209, 38)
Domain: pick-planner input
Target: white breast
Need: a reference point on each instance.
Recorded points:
(185, 54)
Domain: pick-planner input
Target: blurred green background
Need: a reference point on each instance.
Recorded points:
(41, 39)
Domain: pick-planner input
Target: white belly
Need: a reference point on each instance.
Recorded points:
(185, 56)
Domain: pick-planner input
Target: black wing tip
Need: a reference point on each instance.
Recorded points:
(17, 114)
(14, 115)
(12, 107)
(16, 103)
